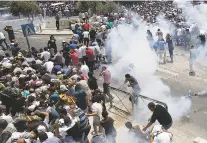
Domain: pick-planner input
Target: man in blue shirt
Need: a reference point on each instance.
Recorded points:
(161, 51)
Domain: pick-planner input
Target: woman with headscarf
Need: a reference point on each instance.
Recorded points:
(170, 46)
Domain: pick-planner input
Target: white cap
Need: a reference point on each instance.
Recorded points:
(41, 128)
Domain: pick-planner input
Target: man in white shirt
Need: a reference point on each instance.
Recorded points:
(3, 39)
(79, 53)
(73, 27)
(86, 38)
(45, 55)
(49, 66)
(158, 135)
(96, 113)
(97, 51)
(83, 50)
(8, 118)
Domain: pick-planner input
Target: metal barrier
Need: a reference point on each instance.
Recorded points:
(140, 96)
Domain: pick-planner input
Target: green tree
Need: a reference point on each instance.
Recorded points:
(28, 9)
(4, 3)
(97, 6)
(111, 7)
(82, 6)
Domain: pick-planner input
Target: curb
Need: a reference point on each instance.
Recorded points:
(52, 34)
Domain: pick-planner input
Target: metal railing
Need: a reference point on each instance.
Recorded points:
(140, 96)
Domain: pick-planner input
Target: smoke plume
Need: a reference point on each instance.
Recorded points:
(129, 46)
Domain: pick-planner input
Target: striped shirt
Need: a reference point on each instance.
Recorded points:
(84, 121)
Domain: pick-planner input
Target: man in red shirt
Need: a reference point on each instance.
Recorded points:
(90, 56)
(86, 26)
(74, 57)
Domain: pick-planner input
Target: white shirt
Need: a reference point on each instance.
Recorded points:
(28, 68)
(97, 107)
(84, 69)
(2, 36)
(17, 69)
(83, 50)
(64, 128)
(98, 18)
(163, 137)
(49, 66)
(79, 53)
(7, 118)
(73, 26)
(83, 15)
(85, 34)
(97, 50)
(105, 19)
(103, 27)
(39, 62)
(45, 55)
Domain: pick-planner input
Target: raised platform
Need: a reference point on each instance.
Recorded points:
(55, 32)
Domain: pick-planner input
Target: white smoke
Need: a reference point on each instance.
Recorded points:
(130, 46)
(195, 15)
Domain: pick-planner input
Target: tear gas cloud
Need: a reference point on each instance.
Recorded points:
(196, 20)
(130, 46)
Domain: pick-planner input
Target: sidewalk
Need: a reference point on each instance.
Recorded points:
(53, 31)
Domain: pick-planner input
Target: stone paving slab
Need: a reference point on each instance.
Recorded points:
(55, 32)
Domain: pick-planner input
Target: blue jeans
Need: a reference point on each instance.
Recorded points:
(135, 94)
(171, 52)
(54, 113)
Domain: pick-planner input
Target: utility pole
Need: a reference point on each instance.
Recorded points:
(26, 32)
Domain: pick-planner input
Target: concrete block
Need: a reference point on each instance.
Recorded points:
(199, 140)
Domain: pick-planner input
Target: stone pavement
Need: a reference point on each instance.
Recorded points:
(55, 32)
(176, 76)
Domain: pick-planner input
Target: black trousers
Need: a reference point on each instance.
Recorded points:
(57, 25)
(85, 60)
(99, 42)
(86, 41)
(90, 65)
(1, 44)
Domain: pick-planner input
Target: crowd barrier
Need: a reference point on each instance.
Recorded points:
(123, 105)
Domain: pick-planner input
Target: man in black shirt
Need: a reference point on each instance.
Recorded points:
(160, 114)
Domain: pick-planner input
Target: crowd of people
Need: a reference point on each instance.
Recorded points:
(150, 10)
(66, 9)
(48, 95)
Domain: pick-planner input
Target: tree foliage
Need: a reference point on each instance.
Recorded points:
(26, 8)
(97, 6)
(4, 3)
